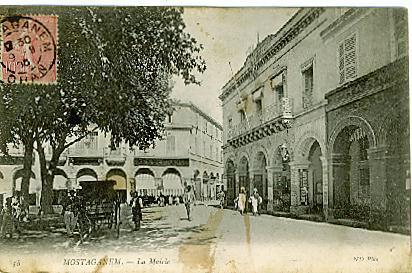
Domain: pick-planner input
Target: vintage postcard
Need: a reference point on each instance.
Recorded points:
(204, 139)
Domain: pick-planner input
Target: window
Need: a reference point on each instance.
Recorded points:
(401, 32)
(242, 116)
(196, 146)
(169, 118)
(348, 59)
(89, 142)
(277, 84)
(307, 87)
(170, 144)
(259, 107)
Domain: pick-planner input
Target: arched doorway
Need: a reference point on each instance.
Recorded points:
(172, 182)
(281, 179)
(350, 174)
(120, 187)
(34, 188)
(243, 171)
(260, 181)
(315, 179)
(85, 174)
(230, 182)
(145, 182)
(59, 187)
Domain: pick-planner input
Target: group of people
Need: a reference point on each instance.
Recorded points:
(13, 213)
(168, 200)
(255, 200)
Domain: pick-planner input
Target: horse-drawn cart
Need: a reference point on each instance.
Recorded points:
(99, 207)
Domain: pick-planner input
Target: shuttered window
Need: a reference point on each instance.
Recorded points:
(348, 59)
(308, 87)
(171, 144)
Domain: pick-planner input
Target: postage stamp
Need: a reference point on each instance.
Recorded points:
(29, 49)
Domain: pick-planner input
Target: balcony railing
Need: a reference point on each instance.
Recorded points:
(268, 113)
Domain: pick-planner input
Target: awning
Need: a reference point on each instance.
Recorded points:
(145, 182)
(257, 95)
(241, 105)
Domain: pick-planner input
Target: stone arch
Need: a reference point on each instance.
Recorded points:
(304, 144)
(34, 187)
(352, 121)
(145, 182)
(261, 150)
(86, 172)
(145, 170)
(60, 180)
(349, 172)
(172, 182)
(241, 156)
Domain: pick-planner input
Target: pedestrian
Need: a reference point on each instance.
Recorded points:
(70, 212)
(221, 198)
(255, 201)
(170, 200)
(241, 200)
(188, 199)
(136, 204)
(17, 211)
(177, 200)
(6, 215)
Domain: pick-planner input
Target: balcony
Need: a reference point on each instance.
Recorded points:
(272, 119)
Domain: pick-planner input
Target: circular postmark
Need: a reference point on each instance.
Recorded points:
(29, 49)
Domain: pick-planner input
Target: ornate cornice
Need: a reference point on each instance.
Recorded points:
(268, 48)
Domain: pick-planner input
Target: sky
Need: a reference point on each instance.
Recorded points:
(226, 34)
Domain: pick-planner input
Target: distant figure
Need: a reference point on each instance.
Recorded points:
(7, 219)
(136, 204)
(241, 200)
(221, 198)
(70, 212)
(255, 201)
(177, 201)
(188, 199)
(170, 200)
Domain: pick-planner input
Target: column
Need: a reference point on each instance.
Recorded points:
(338, 189)
(377, 186)
(71, 183)
(296, 206)
(325, 186)
(130, 186)
(271, 184)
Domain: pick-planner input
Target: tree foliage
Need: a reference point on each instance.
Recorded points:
(114, 69)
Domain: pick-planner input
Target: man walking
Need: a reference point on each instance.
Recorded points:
(136, 204)
(188, 199)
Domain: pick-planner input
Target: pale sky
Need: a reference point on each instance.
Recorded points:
(226, 34)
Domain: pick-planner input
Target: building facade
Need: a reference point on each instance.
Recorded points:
(191, 152)
(317, 117)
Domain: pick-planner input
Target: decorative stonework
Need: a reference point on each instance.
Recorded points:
(266, 52)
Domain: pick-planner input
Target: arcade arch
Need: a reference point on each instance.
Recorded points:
(145, 182)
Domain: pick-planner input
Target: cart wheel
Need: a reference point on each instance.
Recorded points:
(85, 228)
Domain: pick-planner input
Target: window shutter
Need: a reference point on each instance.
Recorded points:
(350, 57)
(341, 63)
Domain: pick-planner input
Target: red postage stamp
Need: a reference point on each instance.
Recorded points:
(29, 49)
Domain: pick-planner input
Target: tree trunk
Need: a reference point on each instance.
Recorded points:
(47, 177)
(27, 164)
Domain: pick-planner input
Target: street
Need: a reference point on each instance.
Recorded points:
(220, 241)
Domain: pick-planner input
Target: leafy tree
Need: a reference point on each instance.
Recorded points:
(113, 73)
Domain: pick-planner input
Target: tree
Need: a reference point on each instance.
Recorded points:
(114, 72)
